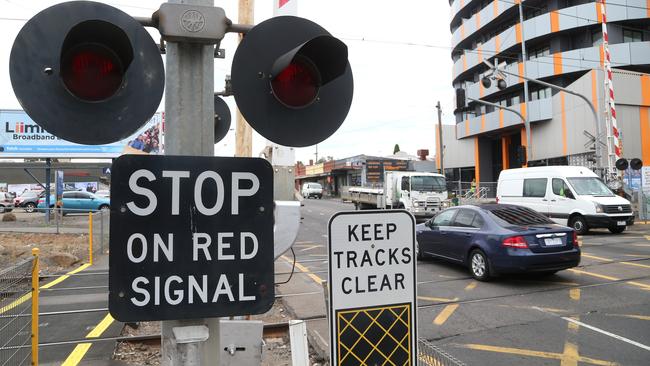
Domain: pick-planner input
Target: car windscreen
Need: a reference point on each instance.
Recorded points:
(315, 186)
(518, 215)
(428, 184)
(29, 195)
(590, 186)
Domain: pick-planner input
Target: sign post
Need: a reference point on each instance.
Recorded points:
(372, 288)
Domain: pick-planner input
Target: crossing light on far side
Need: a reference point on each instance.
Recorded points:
(292, 81)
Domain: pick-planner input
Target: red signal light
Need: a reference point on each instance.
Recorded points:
(91, 72)
(296, 86)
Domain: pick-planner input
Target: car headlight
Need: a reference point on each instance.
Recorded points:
(599, 208)
(416, 204)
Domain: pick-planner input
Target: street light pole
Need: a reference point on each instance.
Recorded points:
(442, 165)
(553, 86)
(529, 140)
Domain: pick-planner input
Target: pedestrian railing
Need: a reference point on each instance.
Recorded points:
(431, 355)
(19, 314)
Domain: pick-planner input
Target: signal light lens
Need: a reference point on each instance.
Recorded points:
(91, 72)
(297, 85)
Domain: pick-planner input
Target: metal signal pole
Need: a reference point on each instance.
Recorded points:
(442, 166)
(189, 114)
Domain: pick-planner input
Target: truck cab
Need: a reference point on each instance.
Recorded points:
(422, 194)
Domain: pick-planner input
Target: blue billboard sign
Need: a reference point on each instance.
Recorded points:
(21, 137)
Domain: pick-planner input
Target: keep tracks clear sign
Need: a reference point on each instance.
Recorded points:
(191, 237)
(372, 285)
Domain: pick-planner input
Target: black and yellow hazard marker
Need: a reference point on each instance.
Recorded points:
(378, 335)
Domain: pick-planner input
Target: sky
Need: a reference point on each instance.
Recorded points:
(398, 50)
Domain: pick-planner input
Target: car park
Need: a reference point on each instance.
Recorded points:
(495, 239)
(312, 190)
(78, 201)
(569, 195)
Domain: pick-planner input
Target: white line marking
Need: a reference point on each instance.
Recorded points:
(626, 340)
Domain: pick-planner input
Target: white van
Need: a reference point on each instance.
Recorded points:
(312, 190)
(569, 195)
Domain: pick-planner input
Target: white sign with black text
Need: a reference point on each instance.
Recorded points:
(372, 287)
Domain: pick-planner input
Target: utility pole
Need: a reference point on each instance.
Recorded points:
(316, 154)
(442, 165)
(529, 140)
(243, 131)
(189, 115)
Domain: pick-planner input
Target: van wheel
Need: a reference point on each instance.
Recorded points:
(616, 229)
(579, 224)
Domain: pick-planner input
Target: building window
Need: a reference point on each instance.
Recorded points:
(540, 94)
(597, 37)
(630, 35)
(539, 52)
(536, 11)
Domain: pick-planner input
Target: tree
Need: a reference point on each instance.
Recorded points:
(396, 149)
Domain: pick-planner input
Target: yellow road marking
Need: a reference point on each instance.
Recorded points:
(632, 316)
(28, 296)
(304, 269)
(439, 299)
(610, 260)
(574, 293)
(80, 350)
(570, 355)
(445, 314)
(610, 278)
(531, 353)
(471, 286)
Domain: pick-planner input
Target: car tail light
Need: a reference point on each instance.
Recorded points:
(497, 199)
(40, 200)
(576, 243)
(515, 242)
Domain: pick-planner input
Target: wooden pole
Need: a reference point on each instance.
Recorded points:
(243, 131)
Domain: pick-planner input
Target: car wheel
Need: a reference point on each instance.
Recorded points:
(2, 209)
(579, 224)
(30, 207)
(104, 208)
(617, 229)
(420, 255)
(478, 265)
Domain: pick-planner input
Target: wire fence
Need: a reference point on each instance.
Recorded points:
(15, 314)
(431, 355)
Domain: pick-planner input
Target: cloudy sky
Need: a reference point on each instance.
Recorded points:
(398, 50)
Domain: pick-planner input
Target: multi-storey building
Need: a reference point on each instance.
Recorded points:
(563, 42)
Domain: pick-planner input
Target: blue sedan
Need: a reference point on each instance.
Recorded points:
(492, 239)
(78, 200)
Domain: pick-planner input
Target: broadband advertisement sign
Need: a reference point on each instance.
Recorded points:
(21, 137)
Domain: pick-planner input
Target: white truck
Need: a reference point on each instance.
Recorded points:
(422, 194)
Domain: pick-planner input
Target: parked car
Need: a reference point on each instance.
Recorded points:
(78, 200)
(498, 238)
(105, 193)
(569, 195)
(312, 190)
(28, 200)
(6, 202)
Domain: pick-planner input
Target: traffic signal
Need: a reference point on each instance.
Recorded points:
(621, 164)
(636, 164)
(86, 72)
(221, 119)
(292, 81)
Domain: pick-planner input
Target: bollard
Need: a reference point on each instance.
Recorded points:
(90, 238)
(35, 288)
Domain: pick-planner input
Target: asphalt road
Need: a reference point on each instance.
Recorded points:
(597, 313)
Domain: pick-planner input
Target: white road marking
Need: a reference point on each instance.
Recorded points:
(615, 336)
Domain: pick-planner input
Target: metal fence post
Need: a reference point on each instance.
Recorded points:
(90, 238)
(57, 213)
(35, 288)
(101, 231)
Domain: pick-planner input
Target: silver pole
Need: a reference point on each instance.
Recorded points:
(189, 130)
(529, 141)
(442, 165)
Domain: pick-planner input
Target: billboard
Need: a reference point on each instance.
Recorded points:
(21, 137)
